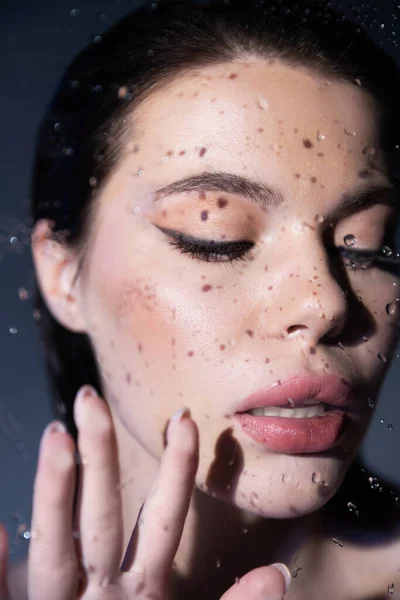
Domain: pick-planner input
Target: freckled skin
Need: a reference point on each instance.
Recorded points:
(146, 295)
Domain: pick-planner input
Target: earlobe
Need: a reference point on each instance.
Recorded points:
(55, 267)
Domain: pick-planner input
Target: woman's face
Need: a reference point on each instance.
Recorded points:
(172, 330)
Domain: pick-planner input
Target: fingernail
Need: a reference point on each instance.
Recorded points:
(178, 416)
(80, 414)
(53, 427)
(285, 572)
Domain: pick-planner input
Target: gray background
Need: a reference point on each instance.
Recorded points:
(37, 40)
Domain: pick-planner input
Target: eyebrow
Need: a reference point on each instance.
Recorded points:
(267, 196)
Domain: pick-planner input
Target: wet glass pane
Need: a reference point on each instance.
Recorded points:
(239, 155)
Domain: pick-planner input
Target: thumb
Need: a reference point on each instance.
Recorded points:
(264, 583)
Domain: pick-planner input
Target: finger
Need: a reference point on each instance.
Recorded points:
(264, 583)
(51, 548)
(160, 526)
(4, 593)
(99, 515)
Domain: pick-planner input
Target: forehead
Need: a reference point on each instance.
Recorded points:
(258, 116)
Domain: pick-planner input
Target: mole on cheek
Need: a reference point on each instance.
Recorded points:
(202, 151)
(128, 378)
(249, 332)
(182, 152)
(233, 76)
(202, 195)
(313, 179)
(307, 143)
(204, 215)
(207, 287)
(320, 154)
(190, 353)
(164, 214)
(297, 175)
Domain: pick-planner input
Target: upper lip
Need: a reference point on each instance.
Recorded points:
(331, 389)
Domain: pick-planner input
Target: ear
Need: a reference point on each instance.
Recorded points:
(55, 267)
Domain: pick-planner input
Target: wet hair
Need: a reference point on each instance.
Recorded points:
(91, 117)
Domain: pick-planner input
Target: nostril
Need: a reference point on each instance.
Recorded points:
(293, 329)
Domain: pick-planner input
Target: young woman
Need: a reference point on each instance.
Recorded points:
(215, 204)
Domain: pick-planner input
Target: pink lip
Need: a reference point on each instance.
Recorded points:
(330, 389)
(291, 435)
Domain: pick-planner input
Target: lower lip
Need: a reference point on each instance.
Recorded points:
(293, 436)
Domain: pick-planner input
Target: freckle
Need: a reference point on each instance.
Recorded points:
(282, 229)
(222, 202)
(221, 112)
(320, 154)
(213, 99)
(202, 151)
(180, 95)
(233, 76)
(137, 383)
(222, 347)
(307, 143)
(297, 175)
(296, 130)
(235, 301)
(128, 378)
(313, 179)
(266, 268)
(173, 341)
(260, 129)
(249, 332)
(190, 353)
(312, 350)
(112, 344)
(140, 347)
(164, 213)
(314, 293)
(207, 416)
(182, 152)
(195, 94)
(220, 287)
(270, 287)
(202, 195)
(204, 215)
(169, 153)
(207, 287)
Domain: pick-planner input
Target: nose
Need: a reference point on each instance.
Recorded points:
(315, 303)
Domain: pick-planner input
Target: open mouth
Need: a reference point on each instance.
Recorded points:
(305, 411)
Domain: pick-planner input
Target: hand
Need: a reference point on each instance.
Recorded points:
(64, 567)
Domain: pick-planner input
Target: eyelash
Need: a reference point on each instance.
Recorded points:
(209, 251)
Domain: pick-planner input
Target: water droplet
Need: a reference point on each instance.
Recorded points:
(290, 402)
(36, 314)
(13, 330)
(386, 251)
(382, 420)
(319, 219)
(316, 478)
(391, 309)
(350, 240)
(135, 210)
(353, 508)
(357, 81)
(57, 126)
(75, 12)
(150, 53)
(373, 482)
(244, 530)
(382, 357)
(68, 151)
(262, 103)
(337, 542)
(353, 133)
(218, 563)
(390, 427)
(140, 173)
(382, 25)
(321, 136)
(365, 339)
(97, 39)
(391, 588)
(23, 294)
(340, 345)
(296, 572)
(371, 404)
